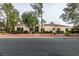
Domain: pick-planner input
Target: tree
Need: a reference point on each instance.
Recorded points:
(11, 16)
(30, 20)
(2, 25)
(38, 9)
(71, 13)
(35, 7)
(2, 18)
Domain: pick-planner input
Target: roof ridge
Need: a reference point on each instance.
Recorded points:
(57, 25)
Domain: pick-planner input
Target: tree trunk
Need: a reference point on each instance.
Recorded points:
(7, 25)
(30, 30)
(41, 24)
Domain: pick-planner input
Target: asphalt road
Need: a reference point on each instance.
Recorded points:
(39, 47)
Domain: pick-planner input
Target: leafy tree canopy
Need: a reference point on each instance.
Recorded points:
(71, 13)
(30, 19)
(11, 14)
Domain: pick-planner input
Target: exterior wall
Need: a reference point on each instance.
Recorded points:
(46, 28)
(62, 28)
(50, 28)
(22, 26)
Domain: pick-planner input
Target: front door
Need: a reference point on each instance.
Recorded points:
(37, 29)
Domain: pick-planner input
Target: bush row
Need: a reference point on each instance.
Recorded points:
(74, 31)
(20, 32)
(46, 32)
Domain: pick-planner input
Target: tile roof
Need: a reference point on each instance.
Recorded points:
(51, 24)
(56, 25)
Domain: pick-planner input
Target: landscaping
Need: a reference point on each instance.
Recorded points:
(28, 22)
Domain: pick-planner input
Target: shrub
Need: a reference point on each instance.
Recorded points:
(25, 32)
(46, 32)
(2, 32)
(54, 33)
(67, 33)
(74, 31)
(62, 32)
(16, 32)
(59, 32)
(51, 31)
(33, 32)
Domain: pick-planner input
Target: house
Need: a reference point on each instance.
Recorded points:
(55, 27)
(20, 26)
(46, 27)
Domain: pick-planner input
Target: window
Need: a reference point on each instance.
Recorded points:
(37, 29)
(42, 29)
(58, 29)
(66, 29)
(53, 28)
(19, 29)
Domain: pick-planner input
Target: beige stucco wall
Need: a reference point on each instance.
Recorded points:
(22, 26)
(46, 28)
(50, 28)
(62, 28)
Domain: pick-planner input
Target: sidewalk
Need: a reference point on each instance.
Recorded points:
(36, 36)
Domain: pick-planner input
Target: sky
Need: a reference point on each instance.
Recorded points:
(52, 11)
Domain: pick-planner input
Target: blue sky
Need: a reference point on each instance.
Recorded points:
(52, 11)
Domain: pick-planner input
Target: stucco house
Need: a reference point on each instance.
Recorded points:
(21, 26)
(55, 27)
(46, 27)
